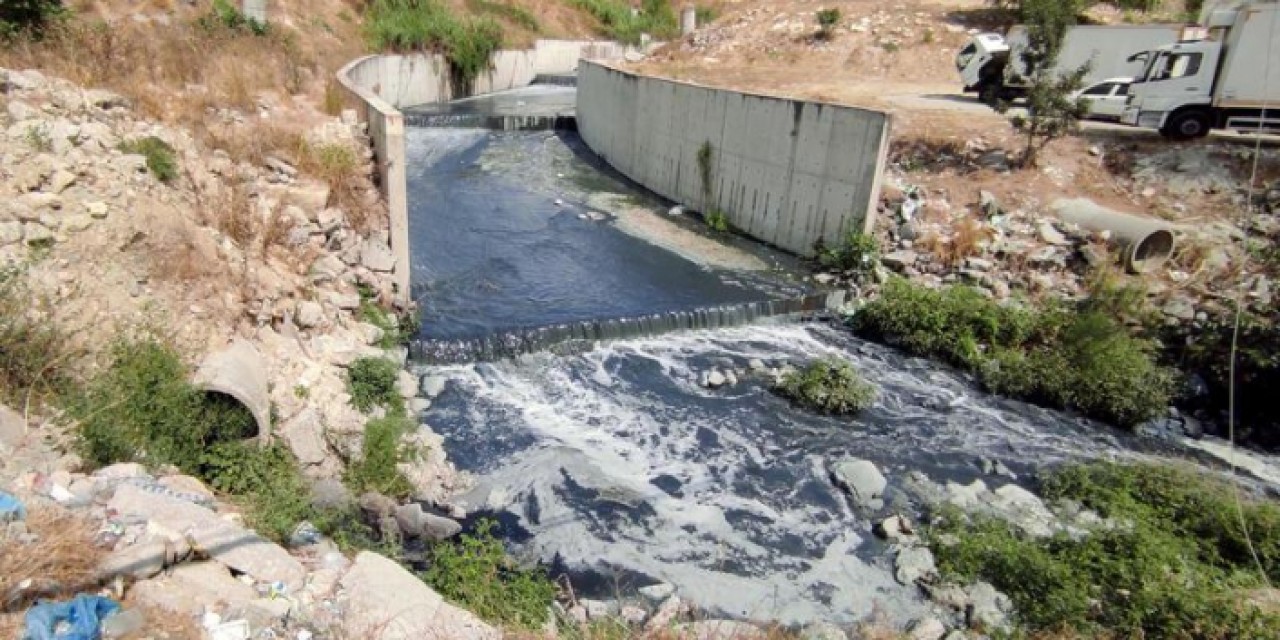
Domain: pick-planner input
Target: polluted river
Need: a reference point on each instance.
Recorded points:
(569, 325)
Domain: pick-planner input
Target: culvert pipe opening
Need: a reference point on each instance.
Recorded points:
(234, 380)
(1147, 243)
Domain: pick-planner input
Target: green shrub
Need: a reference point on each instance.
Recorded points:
(706, 14)
(858, 252)
(827, 21)
(265, 479)
(476, 573)
(161, 160)
(17, 16)
(32, 351)
(1068, 358)
(397, 329)
(506, 10)
(656, 18)
(829, 386)
(382, 450)
(718, 221)
(428, 25)
(141, 408)
(225, 15)
(372, 383)
(1174, 567)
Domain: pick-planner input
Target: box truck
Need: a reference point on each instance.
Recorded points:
(1228, 80)
(992, 65)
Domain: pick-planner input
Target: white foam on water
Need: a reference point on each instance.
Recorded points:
(424, 146)
(756, 530)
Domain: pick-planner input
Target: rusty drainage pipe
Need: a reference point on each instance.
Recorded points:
(238, 371)
(1147, 243)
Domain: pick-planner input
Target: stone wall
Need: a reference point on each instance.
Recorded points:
(787, 172)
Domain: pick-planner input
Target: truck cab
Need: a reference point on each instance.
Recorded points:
(1174, 93)
(981, 62)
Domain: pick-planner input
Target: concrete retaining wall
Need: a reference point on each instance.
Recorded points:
(379, 85)
(787, 172)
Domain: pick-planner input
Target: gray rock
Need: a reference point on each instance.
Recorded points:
(331, 494)
(1050, 234)
(860, 479)
(35, 233)
(123, 623)
(598, 609)
(823, 631)
(949, 595)
(216, 538)
(377, 256)
(988, 205)
(384, 601)
(908, 231)
(308, 314)
(658, 592)
(60, 180)
(97, 210)
(10, 232)
(189, 588)
(988, 608)
(406, 384)
(914, 563)
(433, 386)
(715, 379)
(926, 629)
(894, 528)
(1180, 308)
(345, 301)
(633, 615)
(140, 561)
(757, 365)
(377, 506)
(416, 523)
(719, 630)
(327, 268)
(418, 405)
(899, 260)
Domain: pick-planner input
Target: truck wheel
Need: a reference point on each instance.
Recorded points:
(1188, 125)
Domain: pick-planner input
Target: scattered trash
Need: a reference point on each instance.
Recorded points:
(61, 494)
(76, 619)
(234, 630)
(676, 211)
(123, 623)
(11, 508)
(304, 535)
(304, 634)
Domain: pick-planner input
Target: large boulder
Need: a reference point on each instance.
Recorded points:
(384, 601)
(210, 535)
(860, 479)
(190, 588)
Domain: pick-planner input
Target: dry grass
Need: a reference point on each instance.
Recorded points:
(61, 563)
(966, 240)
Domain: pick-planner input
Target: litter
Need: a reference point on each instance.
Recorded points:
(11, 508)
(77, 619)
(234, 630)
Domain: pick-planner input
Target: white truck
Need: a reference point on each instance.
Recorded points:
(992, 65)
(1227, 80)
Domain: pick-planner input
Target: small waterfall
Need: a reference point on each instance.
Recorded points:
(492, 122)
(559, 80)
(510, 343)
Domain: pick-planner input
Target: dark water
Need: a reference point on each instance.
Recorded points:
(495, 258)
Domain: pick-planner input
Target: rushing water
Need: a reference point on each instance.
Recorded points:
(618, 462)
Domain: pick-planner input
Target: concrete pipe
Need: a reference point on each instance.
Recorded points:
(1147, 243)
(238, 371)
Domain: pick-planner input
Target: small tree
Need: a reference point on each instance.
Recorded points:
(1051, 112)
(26, 15)
(827, 21)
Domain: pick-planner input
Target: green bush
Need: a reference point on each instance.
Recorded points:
(396, 329)
(141, 408)
(829, 386)
(17, 16)
(476, 573)
(225, 15)
(32, 352)
(382, 450)
(428, 25)
(1067, 358)
(718, 221)
(161, 160)
(827, 21)
(1174, 567)
(858, 252)
(656, 18)
(372, 383)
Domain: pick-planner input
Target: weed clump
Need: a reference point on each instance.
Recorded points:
(476, 573)
(827, 21)
(1068, 358)
(428, 25)
(372, 383)
(858, 253)
(381, 451)
(828, 386)
(161, 160)
(396, 329)
(506, 10)
(656, 18)
(32, 355)
(1174, 565)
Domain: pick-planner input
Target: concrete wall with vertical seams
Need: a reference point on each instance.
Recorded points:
(787, 172)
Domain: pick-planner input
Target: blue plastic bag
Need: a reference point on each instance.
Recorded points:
(83, 617)
(11, 508)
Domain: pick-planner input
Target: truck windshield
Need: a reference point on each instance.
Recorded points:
(1175, 65)
(965, 55)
